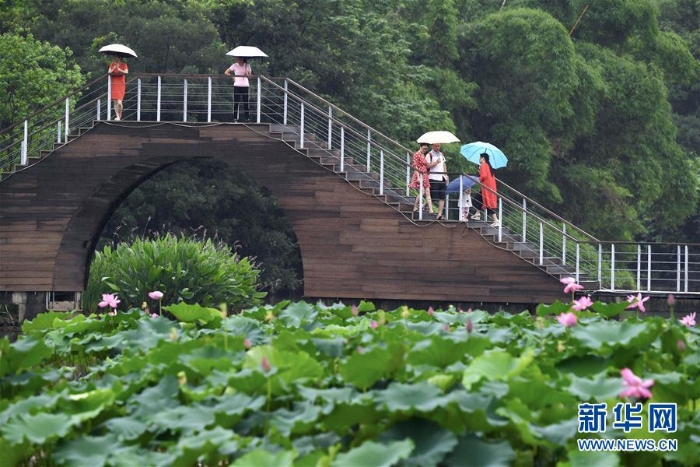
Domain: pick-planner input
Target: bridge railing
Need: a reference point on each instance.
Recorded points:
(619, 267)
(317, 123)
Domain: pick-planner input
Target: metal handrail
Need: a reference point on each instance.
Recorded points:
(361, 153)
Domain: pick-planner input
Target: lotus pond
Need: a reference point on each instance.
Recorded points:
(300, 384)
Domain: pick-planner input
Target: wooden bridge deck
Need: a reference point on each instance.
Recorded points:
(353, 246)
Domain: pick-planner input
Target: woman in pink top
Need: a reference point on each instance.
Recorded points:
(240, 70)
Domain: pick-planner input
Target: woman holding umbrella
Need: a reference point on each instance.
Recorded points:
(241, 70)
(117, 75)
(489, 200)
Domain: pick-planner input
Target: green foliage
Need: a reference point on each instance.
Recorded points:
(562, 87)
(169, 37)
(208, 198)
(183, 269)
(302, 384)
(32, 75)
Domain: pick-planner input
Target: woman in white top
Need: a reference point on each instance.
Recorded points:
(240, 70)
(438, 177)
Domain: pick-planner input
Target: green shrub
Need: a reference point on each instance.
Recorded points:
(184, 269)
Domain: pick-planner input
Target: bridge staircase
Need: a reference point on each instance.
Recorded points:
(369, 182)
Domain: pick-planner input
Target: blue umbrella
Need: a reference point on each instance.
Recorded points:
(467, 182)
(473, 151)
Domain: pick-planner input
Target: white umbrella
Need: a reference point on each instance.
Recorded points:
(246, 51)
(118, 49)
(442, 137)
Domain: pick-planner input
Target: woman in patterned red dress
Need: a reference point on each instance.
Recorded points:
(420, 170)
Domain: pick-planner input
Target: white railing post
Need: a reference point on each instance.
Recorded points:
(138, 100)
(66, 124)
(209, 84)
(612, 266)
(408, 172)
(369, 149)
(286, 92)
(578, 262)
(421, 191)
(500, 217)
(97, 117)
(184, 100)
(381, 173)
(25, 144)
(109, 99)
(58, 132)
(678, 267)
(342, 148)
(524, 220)
(541, 244)
(563, 243)
(259, 101)
(649, 268)
(639, 266)
(687, 260)
(301, 127)
(600, 265)
(330, 127)
(158, 100)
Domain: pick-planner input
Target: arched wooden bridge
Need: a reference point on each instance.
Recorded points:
(352, 244)
(342, 186)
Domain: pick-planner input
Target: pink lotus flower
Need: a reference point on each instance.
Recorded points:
(567, 319)
(265, 364)
(689, 319)
(246, 343)
(374, 324)
(155, 295)
(635, 387)
(154, 315)
(470, 326)
(637, 302)
(446, 328)
(671, 300)
(354, 311)
(582, 303)
(431, 311)
(110, 300)
(571, 285)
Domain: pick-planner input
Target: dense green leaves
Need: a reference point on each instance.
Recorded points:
(301, 384)
(33, 74)
(184, 269)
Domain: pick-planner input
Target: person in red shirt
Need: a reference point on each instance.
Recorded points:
(117, 76)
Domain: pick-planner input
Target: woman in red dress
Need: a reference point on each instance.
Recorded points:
(489, 198)
(420, 168)
(117, 76)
